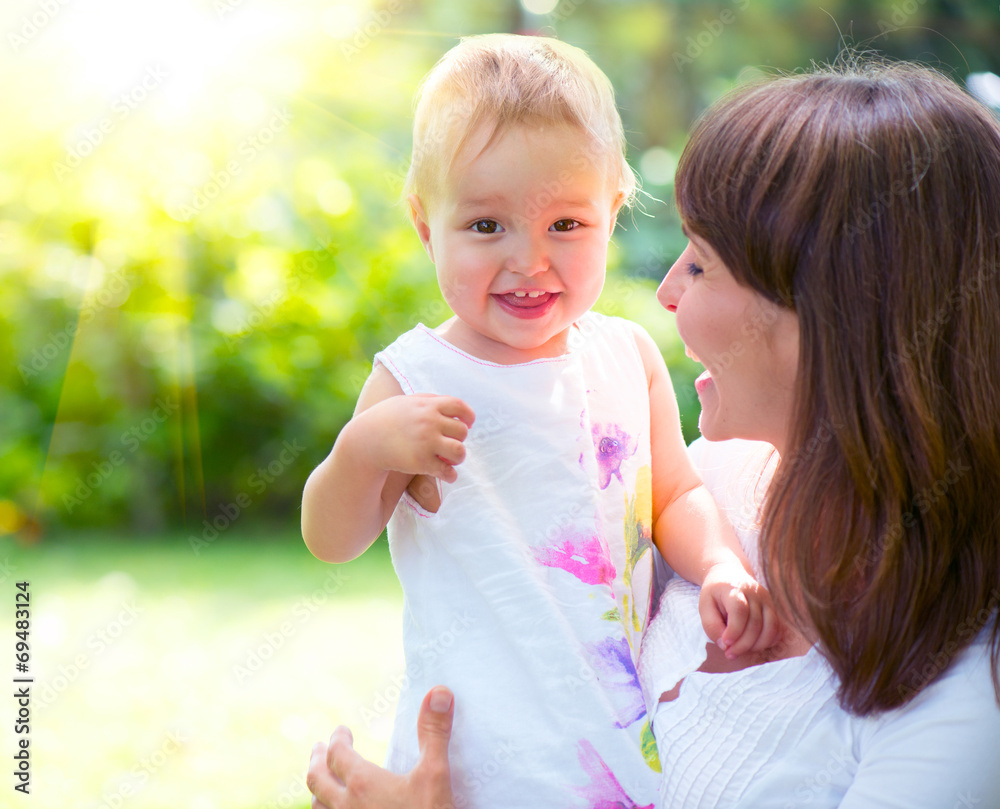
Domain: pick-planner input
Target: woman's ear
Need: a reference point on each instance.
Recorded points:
(420, 223)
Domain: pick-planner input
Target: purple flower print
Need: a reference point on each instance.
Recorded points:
(603, 791)
(612, 662)
(613, 446)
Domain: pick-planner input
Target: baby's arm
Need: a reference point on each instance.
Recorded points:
(392, 438)
(692, 534)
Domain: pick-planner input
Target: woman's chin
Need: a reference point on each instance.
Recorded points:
(708, 421)
(709, 430)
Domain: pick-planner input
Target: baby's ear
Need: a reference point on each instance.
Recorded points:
(616, 207)
(418, 216)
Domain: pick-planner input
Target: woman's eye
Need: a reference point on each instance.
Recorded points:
(694, 269)
(564, 225)
(486, 226)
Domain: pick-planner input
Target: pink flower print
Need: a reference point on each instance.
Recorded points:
(603, 791)
(613, 446)
(587, 558)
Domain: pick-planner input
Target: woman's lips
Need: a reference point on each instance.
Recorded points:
(526, 305)
(704, 379)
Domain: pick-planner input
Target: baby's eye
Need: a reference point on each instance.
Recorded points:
(564, 225)
(486, 226)
(694, 269)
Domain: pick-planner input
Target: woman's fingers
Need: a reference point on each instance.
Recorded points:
(326, 788)
(432, 775)
(340, 755)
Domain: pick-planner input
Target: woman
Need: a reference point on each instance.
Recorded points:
(842, 287)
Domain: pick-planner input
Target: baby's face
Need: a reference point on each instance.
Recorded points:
(519, 235)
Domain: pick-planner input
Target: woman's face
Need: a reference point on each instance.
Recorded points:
(748, 345)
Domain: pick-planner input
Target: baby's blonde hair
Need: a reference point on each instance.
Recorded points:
(505, 80)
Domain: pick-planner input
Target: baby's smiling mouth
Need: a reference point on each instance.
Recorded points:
(526, 299)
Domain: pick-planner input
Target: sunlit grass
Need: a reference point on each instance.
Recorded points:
(166, 679)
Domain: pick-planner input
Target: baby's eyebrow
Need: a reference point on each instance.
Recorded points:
(482, 202)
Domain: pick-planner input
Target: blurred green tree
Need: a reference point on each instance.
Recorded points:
(201, 244)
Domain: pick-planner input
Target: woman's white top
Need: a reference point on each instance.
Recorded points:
(528, 590)
(774, 737)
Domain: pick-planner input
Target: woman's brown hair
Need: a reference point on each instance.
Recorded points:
(866, 197)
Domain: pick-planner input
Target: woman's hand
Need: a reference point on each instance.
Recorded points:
(339, 778)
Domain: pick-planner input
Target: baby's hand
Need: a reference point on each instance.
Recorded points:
(420, 434)
(737, 612)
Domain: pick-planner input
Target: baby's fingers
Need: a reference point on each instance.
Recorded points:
(741, 634)
(772, 631)
(457, 409)
(733, 605)
(712, 618)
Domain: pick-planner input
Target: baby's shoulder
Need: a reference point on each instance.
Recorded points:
(379, 386)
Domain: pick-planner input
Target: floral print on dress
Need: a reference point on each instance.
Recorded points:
(613, 446)
(587, 558)
(612, 662)
(638, 541)
(604, 791)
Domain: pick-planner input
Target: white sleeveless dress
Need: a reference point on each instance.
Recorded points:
(528, 591)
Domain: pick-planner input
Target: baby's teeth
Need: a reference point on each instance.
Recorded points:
(534, 294)
(520, 294)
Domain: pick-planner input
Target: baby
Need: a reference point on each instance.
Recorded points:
(526, 452)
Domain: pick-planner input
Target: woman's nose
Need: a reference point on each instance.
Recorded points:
(673, 284)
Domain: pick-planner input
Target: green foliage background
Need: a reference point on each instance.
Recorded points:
(200, 241)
